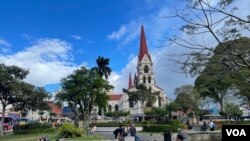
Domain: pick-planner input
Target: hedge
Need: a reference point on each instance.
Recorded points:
(112, 124)
(162, 128)
(33, 128)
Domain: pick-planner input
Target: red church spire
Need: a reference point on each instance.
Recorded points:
(143, 46)
(130, 81)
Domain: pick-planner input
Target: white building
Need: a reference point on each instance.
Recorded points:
(145, 75)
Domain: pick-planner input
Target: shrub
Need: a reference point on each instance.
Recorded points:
(33, 128)
(174, 122)
(162, 128)
(68, 130)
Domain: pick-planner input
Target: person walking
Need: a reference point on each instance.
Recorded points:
(118, 133)
(132, 131)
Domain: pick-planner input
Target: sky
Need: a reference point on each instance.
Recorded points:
(53, 38)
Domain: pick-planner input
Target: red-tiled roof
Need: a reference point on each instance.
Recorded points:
(143, 46)
(115, 97)
(54, 108)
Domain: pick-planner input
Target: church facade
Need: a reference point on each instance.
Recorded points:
(144, 75)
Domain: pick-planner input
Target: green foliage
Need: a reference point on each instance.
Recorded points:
(113, 124)
(117, 114)
(33, 128)
(162, 128)
(187, 98)
(158, 114)
(102, 67)
(174, 122)
(68, 130)
(142, 94)
(21, 95)
(84, 88)
(232, 110)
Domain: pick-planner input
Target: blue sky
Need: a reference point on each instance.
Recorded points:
(51, 38)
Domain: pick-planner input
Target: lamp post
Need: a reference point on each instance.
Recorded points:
(88, 114)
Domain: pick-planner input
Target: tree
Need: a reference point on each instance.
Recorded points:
(157, 113)
(117, 114)
(142, 94)
(172, 107)
(102, 67)
(214, 84)
(10, 77)
(84, 89)
(242, 83)
(31, 98)
(232, 110)
(187, 98)
(203, 18)
(217, 80)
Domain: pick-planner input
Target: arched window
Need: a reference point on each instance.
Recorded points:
(149, 79)
(144, 79)
(116, 107)
(146, 69)
(110, 108)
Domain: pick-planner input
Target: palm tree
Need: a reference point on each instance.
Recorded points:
(103, 67)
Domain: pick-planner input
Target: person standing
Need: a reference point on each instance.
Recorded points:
(212, 125)
(204, 126)
(132, 131)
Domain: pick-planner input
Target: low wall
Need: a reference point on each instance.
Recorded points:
(205, 136)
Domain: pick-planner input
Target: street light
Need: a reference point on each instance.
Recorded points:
(88, 113)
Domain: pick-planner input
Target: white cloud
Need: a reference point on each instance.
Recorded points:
(4, 46)
(48, 60)
(117, 35)
(156, 28)
(165, 76)
(4, 43)
(77, 37)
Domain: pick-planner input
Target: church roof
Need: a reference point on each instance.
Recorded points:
(143, 46)
(130, 84)
(115, 97)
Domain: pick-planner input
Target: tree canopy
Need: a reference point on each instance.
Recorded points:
(21, 95)
(206, 21)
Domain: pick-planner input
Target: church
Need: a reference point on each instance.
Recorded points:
(144, 75)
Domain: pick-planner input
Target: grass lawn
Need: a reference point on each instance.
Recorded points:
(52, 137)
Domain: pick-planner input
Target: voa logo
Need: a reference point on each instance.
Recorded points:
(236, 132)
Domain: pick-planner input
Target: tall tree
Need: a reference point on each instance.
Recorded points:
(10, 77)
(214, 83)
(84, 88)
(103, 67)
(221, 22)
(187, 97)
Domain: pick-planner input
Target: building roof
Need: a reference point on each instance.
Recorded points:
(54, 108)
(143, 46)
(115, 97)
